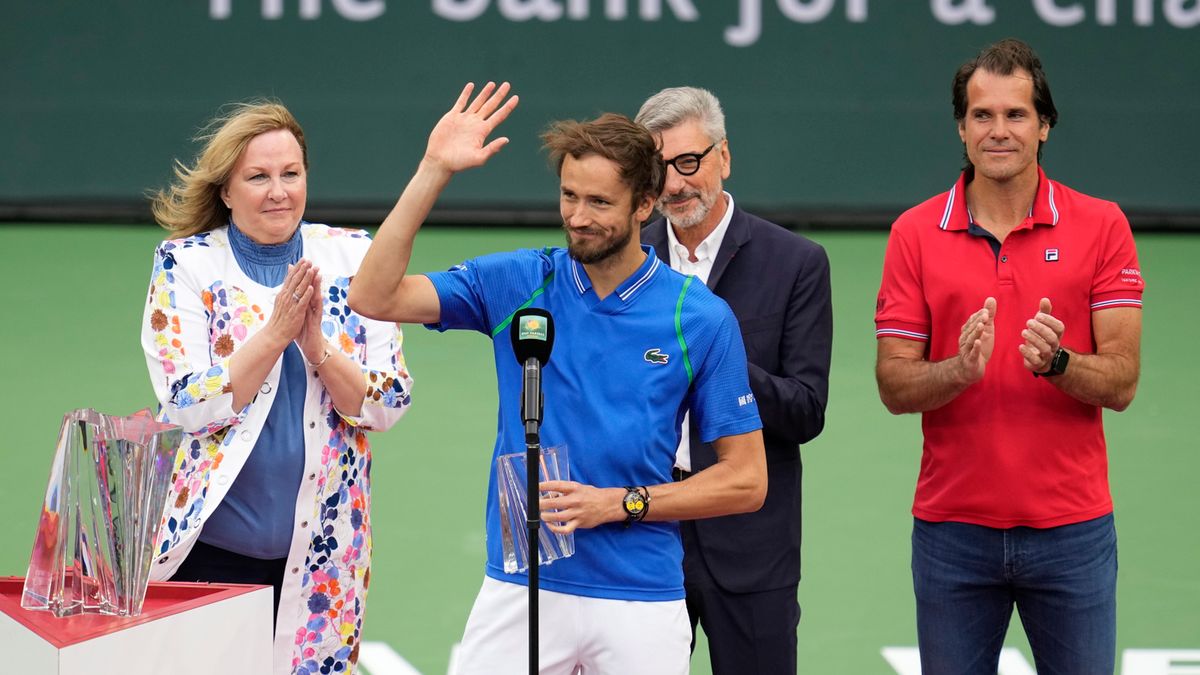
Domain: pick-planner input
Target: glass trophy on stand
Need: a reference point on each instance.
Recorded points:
(514, 534)
(99, 523)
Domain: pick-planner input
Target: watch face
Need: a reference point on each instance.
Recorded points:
(1058, 365)
(634, 503)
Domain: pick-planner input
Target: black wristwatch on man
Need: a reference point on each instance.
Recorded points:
(1058, 364)
(636, 504)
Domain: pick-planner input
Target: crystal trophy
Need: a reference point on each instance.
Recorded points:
(514, 533)
(104, 503)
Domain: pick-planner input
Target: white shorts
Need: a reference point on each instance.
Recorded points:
(576, 635)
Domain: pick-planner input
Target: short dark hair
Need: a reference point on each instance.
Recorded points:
(614, 137)
(1004, 58)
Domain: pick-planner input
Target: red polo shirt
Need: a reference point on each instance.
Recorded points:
(1011, 449)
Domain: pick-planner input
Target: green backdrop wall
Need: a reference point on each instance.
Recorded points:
(833, 105)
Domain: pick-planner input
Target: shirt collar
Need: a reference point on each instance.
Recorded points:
(711, 244)
(1045, 209)
(283, 253)
(626, 289)
(956, 216)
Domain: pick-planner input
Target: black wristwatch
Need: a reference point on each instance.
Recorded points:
(1058, 364)
(636, 504)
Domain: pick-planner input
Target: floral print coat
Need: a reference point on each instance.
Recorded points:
(200, 308)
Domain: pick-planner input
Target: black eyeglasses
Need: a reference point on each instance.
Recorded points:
(689, 162)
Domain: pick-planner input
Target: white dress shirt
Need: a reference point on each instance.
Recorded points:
(706, 254)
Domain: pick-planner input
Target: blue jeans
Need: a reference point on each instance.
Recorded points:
(1063, 581)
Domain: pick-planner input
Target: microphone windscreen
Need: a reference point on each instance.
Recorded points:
(532, 334)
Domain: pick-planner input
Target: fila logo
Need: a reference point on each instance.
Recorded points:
(1051, 255)
(656, 357)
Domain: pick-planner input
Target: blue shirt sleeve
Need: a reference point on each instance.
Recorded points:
(721, 400)
(480, 293)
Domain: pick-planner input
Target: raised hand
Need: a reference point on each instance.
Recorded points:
(977, 340)
(1043, 336)
(459, 141)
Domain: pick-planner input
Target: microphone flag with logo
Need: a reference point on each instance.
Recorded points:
(532, 335)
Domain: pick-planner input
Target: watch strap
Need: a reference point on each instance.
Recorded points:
(1058, 364)
(636, 504)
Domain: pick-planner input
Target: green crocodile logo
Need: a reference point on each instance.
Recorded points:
(656, 357)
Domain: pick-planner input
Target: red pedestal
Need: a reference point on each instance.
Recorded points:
(184, 629)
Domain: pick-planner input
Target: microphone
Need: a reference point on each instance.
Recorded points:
(532, 335)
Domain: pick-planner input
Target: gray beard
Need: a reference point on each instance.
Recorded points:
(696, 217)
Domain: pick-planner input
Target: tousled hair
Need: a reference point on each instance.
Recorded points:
(192, 203)
(616, 138)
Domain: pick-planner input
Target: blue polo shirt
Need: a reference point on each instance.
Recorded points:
(623, 372)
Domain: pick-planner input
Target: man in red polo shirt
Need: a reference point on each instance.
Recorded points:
(1009, 316)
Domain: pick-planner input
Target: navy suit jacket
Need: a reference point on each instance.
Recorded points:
(777, 284)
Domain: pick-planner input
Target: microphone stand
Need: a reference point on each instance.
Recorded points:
(533, 515)
(532, 336)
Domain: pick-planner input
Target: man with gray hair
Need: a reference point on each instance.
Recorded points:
(741, 572)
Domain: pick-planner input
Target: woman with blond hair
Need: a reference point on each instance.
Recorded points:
(253, 351)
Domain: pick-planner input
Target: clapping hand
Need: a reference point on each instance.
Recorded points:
(292, 304)
(1043, 336)
(310, 340)
(977, 340)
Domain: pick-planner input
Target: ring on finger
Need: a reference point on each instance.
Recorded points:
(296, 296)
